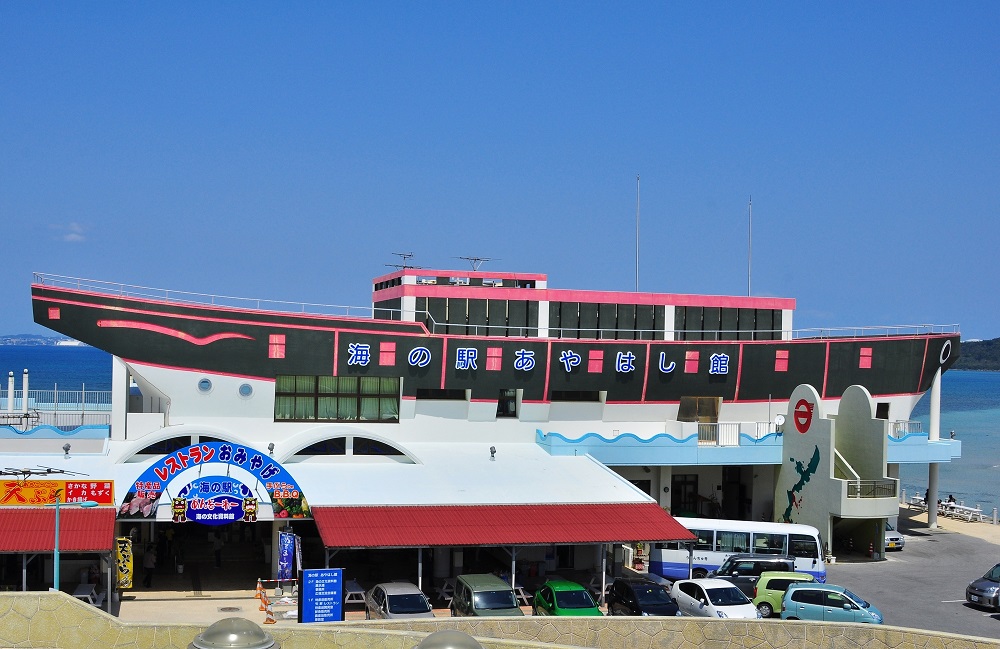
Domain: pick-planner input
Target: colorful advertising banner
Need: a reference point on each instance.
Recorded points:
(215, 500)
(144, 493)
(123, 561)
(286, 548)
(321, 595)
(32, 493)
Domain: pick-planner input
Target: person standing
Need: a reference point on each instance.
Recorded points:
(149, 565)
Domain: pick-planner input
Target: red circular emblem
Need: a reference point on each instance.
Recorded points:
(803, 415)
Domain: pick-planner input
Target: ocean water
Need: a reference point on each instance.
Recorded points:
(970, 405)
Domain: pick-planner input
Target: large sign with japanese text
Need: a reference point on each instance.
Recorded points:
(321, 595)
(33, 493)
(185, 471)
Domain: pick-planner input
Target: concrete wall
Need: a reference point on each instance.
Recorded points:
(55, 620)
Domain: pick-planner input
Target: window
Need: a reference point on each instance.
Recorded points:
(336, 398)
(335, 446)
(507, 403)
(366, 446)
(769, 543)
(808, 596)
(802, 546)
(732, 541)
(705, 539)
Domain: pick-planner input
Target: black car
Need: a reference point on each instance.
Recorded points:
(639, 596)
(744, 569)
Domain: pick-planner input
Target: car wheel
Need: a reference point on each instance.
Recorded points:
(699, 574)
(765, 609)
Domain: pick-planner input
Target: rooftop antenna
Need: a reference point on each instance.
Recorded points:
(405, 256)
(637, 233)
(749, 242)
(478, 261)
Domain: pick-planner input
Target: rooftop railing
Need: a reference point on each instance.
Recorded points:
(586, 333)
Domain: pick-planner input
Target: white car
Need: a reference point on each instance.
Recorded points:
(396, 600)
(712, 598)
(893, 539)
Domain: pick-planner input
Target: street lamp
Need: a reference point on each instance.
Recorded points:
(55, 551)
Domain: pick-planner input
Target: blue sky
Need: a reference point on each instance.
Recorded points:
(286, 150)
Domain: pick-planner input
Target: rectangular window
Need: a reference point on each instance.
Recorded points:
(276, 346)
(507, 403)
(705, 539)
(770, 543)
(336, 398)
(803, 546)
(435, 393)
(576, 395)
(865, 360)
(732, 541)
(494, 358)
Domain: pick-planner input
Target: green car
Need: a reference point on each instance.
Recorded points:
(562, 597)
(770, 589)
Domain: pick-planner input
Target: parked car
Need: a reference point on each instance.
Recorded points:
(483, 594)
(639, 596)
(562, 597)
(985, 591)
(712, 598)
(396, 600)
(893, 539)
(743, 570)
(771, 587)
(828, 603)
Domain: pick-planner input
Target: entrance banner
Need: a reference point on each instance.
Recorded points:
(214, 500)
(287, 500)
(123, 561)
(286, 548)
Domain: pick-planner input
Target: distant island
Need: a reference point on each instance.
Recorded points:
(982, 355)
(36, 340)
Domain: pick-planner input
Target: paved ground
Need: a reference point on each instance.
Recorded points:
(923, 586)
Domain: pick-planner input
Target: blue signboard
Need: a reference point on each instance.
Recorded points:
(321, 595)
(215, 500)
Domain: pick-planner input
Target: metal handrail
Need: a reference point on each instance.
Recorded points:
(871, 488)
(584, 333)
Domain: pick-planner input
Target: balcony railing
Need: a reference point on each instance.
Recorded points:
(871, 488)
(900, 429)
(62, 409)
(724, 434)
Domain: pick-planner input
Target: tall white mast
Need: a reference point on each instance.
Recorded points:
(637, 233)
(749, 242)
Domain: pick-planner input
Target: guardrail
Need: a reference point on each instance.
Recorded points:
(591, 333)
(871, 489)
(56, 400)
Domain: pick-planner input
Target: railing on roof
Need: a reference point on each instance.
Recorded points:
(586, 333)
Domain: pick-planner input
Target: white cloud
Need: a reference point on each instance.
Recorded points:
(72, 233)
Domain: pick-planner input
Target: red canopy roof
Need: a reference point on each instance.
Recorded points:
(440, 525)
(33, 529)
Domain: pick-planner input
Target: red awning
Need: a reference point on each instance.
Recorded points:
(33, 529)
(444, 525)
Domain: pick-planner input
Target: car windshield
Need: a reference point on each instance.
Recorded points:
(574, 599)
(651, 594)
(994, 574)
(731, 596)
(857, 600)
(494, 599)
(408, 603)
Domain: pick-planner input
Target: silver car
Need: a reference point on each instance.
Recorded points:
(985, 591)
(396, 600)
(893, 539)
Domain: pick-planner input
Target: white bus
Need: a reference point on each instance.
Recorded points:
(718, 539)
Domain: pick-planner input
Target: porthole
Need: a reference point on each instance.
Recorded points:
(246, 390)
(205, 386)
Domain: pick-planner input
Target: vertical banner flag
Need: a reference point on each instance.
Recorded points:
(298, 553)
(123, 561)
(286, 548)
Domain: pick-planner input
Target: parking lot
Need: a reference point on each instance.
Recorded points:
(923, 586)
